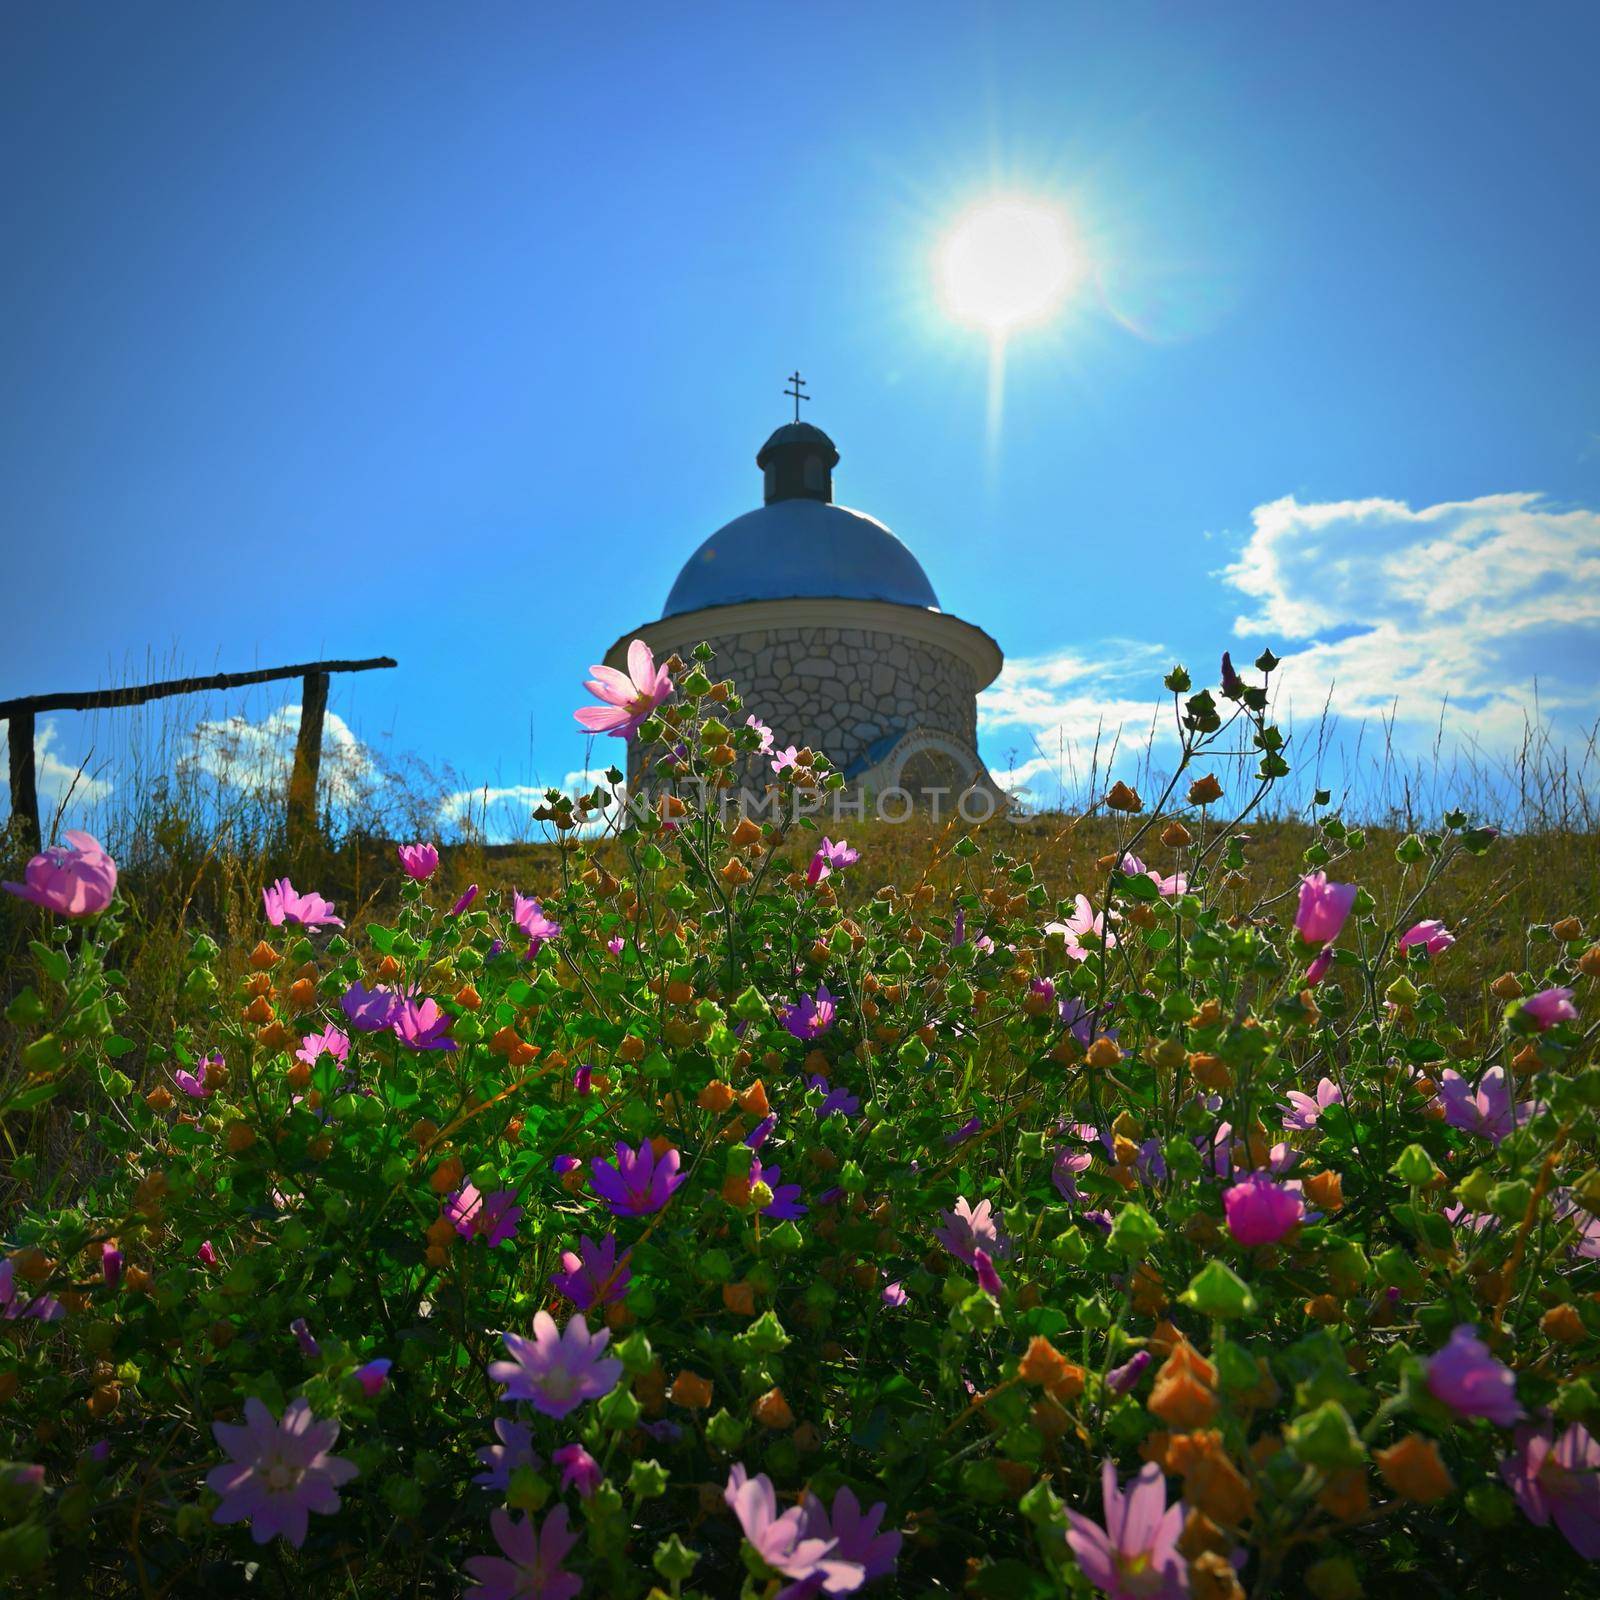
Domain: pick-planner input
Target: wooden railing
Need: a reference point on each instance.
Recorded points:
(20, 715)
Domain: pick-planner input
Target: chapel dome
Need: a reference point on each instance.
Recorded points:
(799, 544)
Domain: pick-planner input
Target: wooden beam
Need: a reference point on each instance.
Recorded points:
(24, 789)
(101, 699)
(307, 759)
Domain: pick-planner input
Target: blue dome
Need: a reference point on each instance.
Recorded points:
(800, 548)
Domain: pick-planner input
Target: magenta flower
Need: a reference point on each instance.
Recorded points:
(1260, 1211)
(1486, 1110)
(1318, 970)
(529, 1567)
(420, 861)
(111, 1265)
(627, 698)
(593, 1275)
(466, 900)
(557, 1372)
(514, 1450)
(331, 1041)
(207, 1255)
(1135, 1555)
(578, 1468)
(785, 1204)
(285, 903)
(1431, 936)
(368, 1010)
(809, 1018)
(988, 1278)
(1323, 909)
(373, 1376)
(828, 859)
(616, 944)
(1549, 1007)
(639, 1183)
(41, 1308)
(422, 1025)
(529, 916)
(854, 1534)
(193, 1083)
(75, 879)
(278, 1472)
(1465, 1377)
(1135, 868)
(1559, 1479)
(969, 1228)
(1304, 1111)
(783, 1542)
(493, 1219)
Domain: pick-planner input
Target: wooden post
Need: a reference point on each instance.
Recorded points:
(24, 790)
(307, 759)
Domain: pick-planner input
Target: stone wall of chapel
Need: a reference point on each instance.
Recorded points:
(840, 690)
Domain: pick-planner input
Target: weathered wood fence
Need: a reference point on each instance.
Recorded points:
(20, 715)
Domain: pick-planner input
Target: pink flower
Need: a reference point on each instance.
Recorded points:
(616, 944)
(854, 1533)
(988, 1278)
(514, 1450)
(419, 861)
(1465, 1377)
(1303, 1111)
(422, 1026)
(1560, 1479)
(77, 879)
(1260, 1211)
(1486, 1110)
(627, 698)
(784, 1542)
(785, 758)
(578, 1468)
(193, 1083)
(557, 1372)
(894, 1295)
(594, 1277)
(331, 1041)
(639, 1183)
(1431, 936)
(41, 1308)
(277, 1471)
(493, 1220)
(1135, 868)
(466, 900)
(285, 903)
(529, 1567)
(373, 1376)
(829, 856)
(809, 1018)
(529, 916)
(1323, 909)
(1135, 1555)
(1084, 923)
(207, 1255)
(969, 1228)
(765, 747)
(1549, 1007)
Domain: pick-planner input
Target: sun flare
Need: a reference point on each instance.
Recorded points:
(1008, 262)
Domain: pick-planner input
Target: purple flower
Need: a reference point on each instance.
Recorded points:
(1465, 1377)
(783, 1542)
(594, 1277)
(762, 1131)
(1260, 1211)
(369, 1010)
(1124, 1378)
(829, 857)
(1064, 1173)
(419, 861)
(562, 1165)
(894, 1295)
(77, 879)
(809, 1018)
(639, 1183)
(969, 1228)
(1559, 1479)
(514, 1450)
(111, 1265)
(422, 1025)
(1133, 867)
(785, 1196)
(1324, 908)
(557, 1372)
(1486, 1110)
(529, 916)
(1431, 936)
(837, 1102)
(303, 1337)
(968, 1129)
(493, 1219)
(577, 1467)
(1549, 1007)
(1135, 1555)
(529, 1567)
(854, 1533)
(41, 1308)
(331, 1041)
(1083, 1022)
(285, 903)
(466, 900)
(193, 1083)
(278, 1472)
(373, 1376)
(988, 1278)
(1302, 1111)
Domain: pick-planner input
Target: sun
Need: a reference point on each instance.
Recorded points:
(1008, 262)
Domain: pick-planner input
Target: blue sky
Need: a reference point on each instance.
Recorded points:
(449, 332)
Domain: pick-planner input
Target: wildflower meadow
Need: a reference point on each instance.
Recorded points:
(731, 1218)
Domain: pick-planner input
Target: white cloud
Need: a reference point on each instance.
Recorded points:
(504, 812)
(250, 755)
(54, 778)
